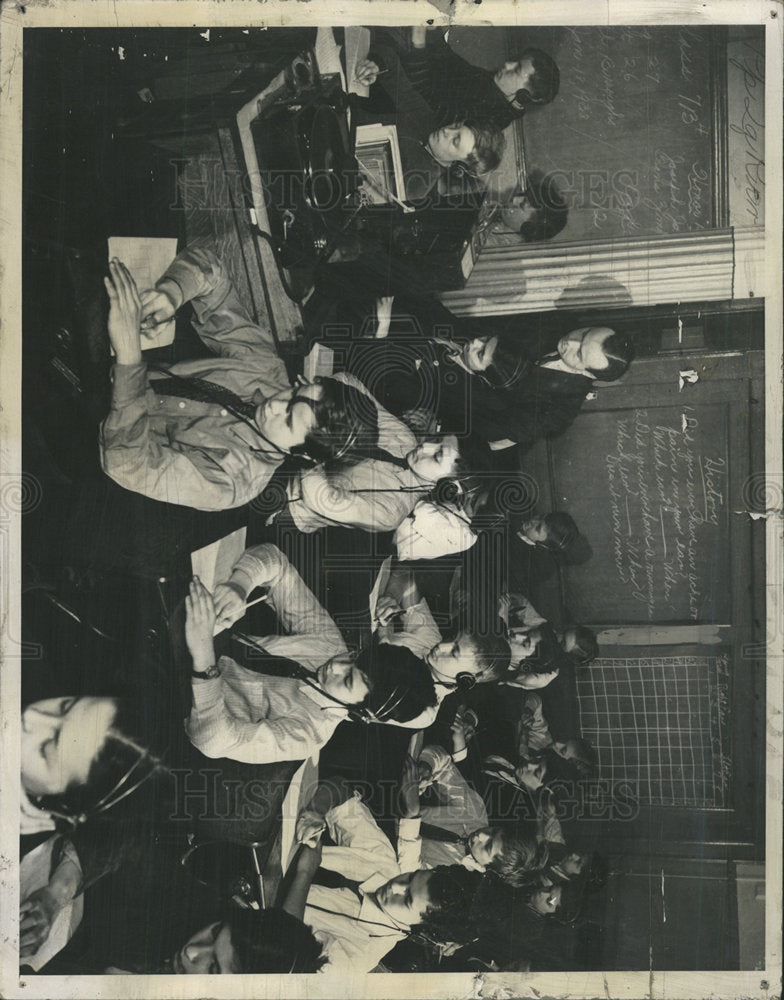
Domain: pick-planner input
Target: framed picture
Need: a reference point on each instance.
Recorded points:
(378, 155)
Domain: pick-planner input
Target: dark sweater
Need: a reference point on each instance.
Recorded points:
(414, 120)
(455, 88)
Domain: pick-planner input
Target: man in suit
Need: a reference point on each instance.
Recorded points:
(547, 395)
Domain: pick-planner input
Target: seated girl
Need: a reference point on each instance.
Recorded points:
(377, 493)
(426, 150)
(80, 758)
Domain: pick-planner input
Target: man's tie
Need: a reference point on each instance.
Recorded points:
(335, 880)
(430, 832)
(204, 391)
(252, 657)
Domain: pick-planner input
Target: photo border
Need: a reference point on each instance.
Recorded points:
(16, 494)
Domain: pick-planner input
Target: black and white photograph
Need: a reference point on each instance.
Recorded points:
(391, 499)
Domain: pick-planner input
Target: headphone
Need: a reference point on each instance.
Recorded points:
(464, 682)
(521, 98)
(448, 491)
(452, 491)
(565, 542)
(306, 461)
(347, 445)
(356, 713)
(506, 383)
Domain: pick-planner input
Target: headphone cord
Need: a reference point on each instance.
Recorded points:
(322, 256)
(399, 489)
(226, 406)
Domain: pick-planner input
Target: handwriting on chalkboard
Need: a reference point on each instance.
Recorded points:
(685, 50)
(637, 100)
(749, 128)
(667, 502)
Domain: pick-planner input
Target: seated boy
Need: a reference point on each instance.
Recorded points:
(311, 641)
(454, 827)
(532, 216)
(467, 659)
(209, 433)
(259, 718)
(358, 926)
(454, 86)
(537, 656)
(248, 942)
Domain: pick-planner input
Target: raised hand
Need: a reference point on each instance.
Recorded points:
(124, 314)
(409, 789)
(310, 826)
(463, 728)
(383, 315)
(530, 775)
(200, 625)
(386, 609)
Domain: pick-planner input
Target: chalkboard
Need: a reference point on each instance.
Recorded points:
(649, 488)
(629, 138)
(660, 726)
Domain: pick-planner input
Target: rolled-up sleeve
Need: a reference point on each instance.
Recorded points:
(313, 637)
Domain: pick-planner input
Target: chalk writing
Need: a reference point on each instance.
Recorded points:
(665, 175)
(640, 98)
(667, 499)
(698, 183)
(606, 100)
(653, 72)
(684, 47)
(751, 129)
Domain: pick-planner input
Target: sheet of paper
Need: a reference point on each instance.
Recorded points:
(301, 790)
(34, 871)
(379, 588)
(214, 563)
(319, 363)
(327, 53)
(357, 48)
(147, 258)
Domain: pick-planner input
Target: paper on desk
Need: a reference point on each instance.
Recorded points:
(379, 588)
(34, 871)
(147, 258)
(357, 48)
(320, 363)
(213, 564)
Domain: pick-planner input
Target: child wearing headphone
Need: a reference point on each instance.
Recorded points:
(379, 491)
(259, 718)
(457, 663)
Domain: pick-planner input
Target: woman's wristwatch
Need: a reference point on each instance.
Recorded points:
(206, 675)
